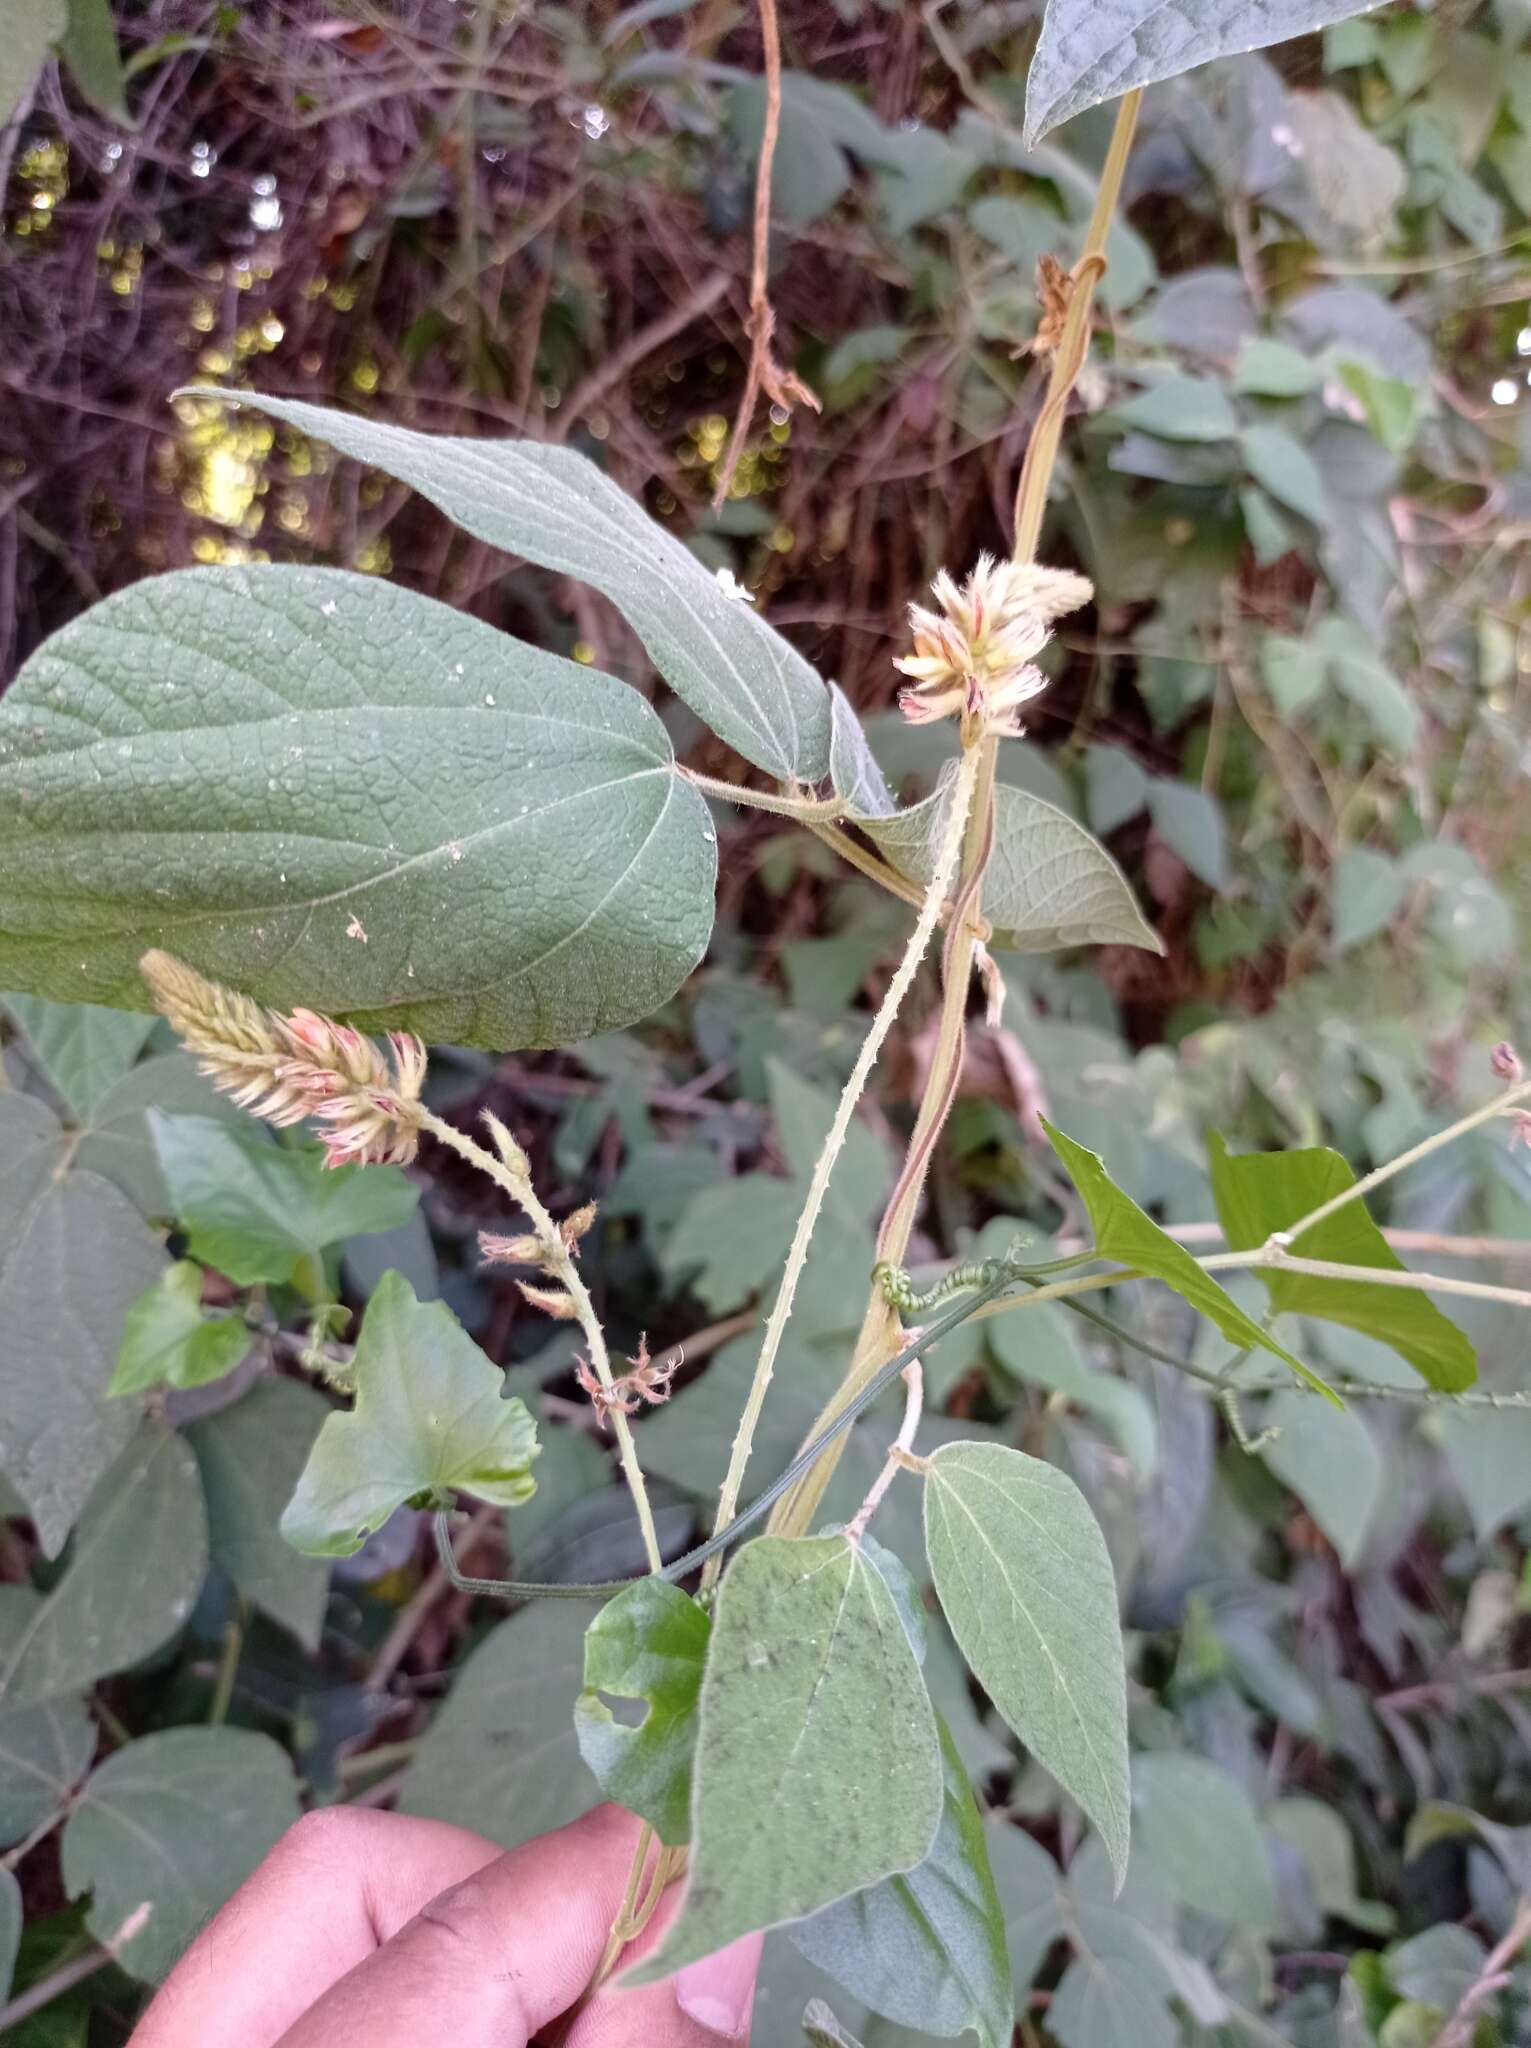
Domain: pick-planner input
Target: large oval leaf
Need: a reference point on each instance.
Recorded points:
(327, 791)
(557, 509)
(1048, 882)
(1025, 1580)
(817, 1767)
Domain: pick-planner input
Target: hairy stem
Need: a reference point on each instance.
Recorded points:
(1518, 1093)
(899, 1453)
(898, 988)
(807, 809)
(509, 1172)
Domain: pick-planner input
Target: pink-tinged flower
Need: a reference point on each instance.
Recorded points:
(303, 1065)
(975, 658)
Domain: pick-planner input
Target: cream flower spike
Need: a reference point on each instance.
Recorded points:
(287, 1068)
(975, 658)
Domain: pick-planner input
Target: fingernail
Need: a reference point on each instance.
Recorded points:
(719, 1991)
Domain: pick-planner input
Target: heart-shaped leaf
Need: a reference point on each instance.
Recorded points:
(327, 791)
(649, 1644)
(168, 1341)
(175, 1822)
(1025, 1580)
(815, 1727)
(430, 1417)
(1048, 883)
(1258, 1193)
(1124, 1231)
(554, 507)
(256, 1210)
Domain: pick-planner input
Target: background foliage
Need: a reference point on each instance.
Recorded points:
(1297, 479)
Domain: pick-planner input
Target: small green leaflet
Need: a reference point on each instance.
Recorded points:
(926, 1949)
(650, 1644)
(1125, 1232)
(815, 1726)
(430, 1418)
(175, 1822)
(44, 1752)
(1261, 1192)
(1025, 1581)
(1180, 408)
(168, 1341)
(31, 28)
(133, 1576)
(554, 507)
(257, 1210)
(1331, 1462)
(379, 841)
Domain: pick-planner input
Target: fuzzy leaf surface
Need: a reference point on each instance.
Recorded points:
(324, 790)
(1025, 1581)
(815, 1727)
(556, 508)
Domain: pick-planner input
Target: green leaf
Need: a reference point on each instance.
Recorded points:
(89, 48)
(1025, 1581)
(1094, 50)
(853, 769)
(1331, 1462)
(1194, 1825)
(815, 1728)
(1180, 408)
(1116, 787)
(44, 1752)
(84, 1049)
(1490, 1459)
(927, 1949)
(251, 1457)
(1190, 822)
(118, 1143)
(1375, 691)
(256, 1210)
(648, 1644)
(1268, 532)
(1323, 1841)
(1294, 671)
(1274, 369)
(556, 509)
(168, 1341)
(58, 1430)
(380, 841)
(1279, 461)
(1261, 1192)
(501, 1756)
(1124, 1232)
(1107, 2001)
(134, 1572)
(11, 1915)
(1048, 883)
(32, 27)
(1366, 892)
(177, 1822)
(1438, 1967)
(430, 1418)
(1031, 1898)
(1392, 405)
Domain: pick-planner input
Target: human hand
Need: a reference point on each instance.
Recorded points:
(376, 1930)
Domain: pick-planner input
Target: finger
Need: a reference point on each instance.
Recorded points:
(703, 2006)
(495, 1958)
(336, 1886)
(707, 2004)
